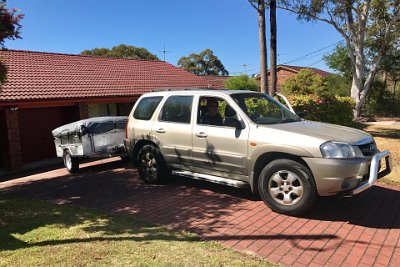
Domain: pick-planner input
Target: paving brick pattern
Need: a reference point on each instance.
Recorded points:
(359, 231)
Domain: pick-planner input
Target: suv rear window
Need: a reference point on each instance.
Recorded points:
(146, 107)
(177, 109)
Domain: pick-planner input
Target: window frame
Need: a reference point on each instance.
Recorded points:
(134, 114)
(161, 113)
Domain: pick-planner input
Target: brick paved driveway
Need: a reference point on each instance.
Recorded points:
(362, 231)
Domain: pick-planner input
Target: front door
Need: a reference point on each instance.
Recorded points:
(219, 147)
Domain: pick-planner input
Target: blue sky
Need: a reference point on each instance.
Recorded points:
(228, 27)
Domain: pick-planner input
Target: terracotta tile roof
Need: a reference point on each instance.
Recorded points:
(298, 69)
(45, 76)
(217, 82)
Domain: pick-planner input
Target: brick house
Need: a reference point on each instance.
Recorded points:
(285, 71)
(46, 90)
(217, 82)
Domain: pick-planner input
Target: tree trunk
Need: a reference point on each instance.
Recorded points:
(356, 88)
(273, 54)
(263, 46)
(383, 88)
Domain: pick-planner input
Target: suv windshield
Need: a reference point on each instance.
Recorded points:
(262, 109)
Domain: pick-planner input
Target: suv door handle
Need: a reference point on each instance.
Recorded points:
(161, 130)
(201, 135)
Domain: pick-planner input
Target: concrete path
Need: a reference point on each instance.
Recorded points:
(358, 231)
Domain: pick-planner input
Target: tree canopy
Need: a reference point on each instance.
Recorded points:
(369, 28)
(242, 82)
(121, 51)
(339, 60)
(307, 82)
(10, 28)
(205, 63)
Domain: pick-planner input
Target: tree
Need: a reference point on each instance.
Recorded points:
(242, 82)
(121, 51)
(360, 23)
(306, 82)
(337, 85)
(205, 63)
(259, 5)
(10, 28)
(340, 61)
(274, 53)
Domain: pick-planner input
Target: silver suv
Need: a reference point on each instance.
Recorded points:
(247, 139)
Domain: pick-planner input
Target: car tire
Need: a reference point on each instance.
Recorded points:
(151, 165)
(287, 187)
(71, 163)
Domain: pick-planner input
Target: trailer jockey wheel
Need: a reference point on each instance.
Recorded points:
(71, 163)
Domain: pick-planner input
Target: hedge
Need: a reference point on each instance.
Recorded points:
(334, 109)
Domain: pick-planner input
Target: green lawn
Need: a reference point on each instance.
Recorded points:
(37, 233)
(388, 138)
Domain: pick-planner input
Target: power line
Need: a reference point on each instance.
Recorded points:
(311, 53)
(310, 57)
(316, 62)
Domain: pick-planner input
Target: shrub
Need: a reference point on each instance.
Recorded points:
(242, 82)
(306, 82)
(338, 110)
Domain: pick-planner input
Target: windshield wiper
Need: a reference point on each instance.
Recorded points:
(288, 120)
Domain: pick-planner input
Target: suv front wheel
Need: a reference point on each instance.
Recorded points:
(151, 164)
(287, 187)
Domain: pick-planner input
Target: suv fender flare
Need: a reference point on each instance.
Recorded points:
(259, 158)
(136, 148)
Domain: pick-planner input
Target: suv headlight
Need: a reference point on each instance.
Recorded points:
(337, 150)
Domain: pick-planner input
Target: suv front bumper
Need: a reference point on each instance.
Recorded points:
(348, 176)
(374, 173)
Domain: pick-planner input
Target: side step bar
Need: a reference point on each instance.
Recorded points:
(211, 178)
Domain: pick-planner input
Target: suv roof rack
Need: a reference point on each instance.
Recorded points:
(178, 89)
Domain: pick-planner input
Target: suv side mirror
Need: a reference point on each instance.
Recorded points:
(233, 122)
(301, 114)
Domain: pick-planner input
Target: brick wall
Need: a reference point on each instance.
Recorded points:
(3, 141)
(283, 75)
(14, 161)
(124, 108)
(83, 111)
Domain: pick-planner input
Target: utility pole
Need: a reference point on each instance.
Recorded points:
(164, 52)
(273, 54)
(244, 68)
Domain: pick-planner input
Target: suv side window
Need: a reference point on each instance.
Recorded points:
(177, 109)
(146, 107)
(216, 111)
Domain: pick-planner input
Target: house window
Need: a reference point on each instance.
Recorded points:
(102, 109)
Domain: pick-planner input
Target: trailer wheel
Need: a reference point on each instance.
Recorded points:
(151, 165)
(71, 163)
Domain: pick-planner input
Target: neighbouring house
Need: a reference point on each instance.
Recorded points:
(285, 71)
(46, 90)
(217, 82)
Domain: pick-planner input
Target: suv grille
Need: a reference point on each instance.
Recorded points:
(368, 149)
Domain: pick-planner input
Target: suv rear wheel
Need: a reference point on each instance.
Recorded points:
(287, 187)
(151, 164)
